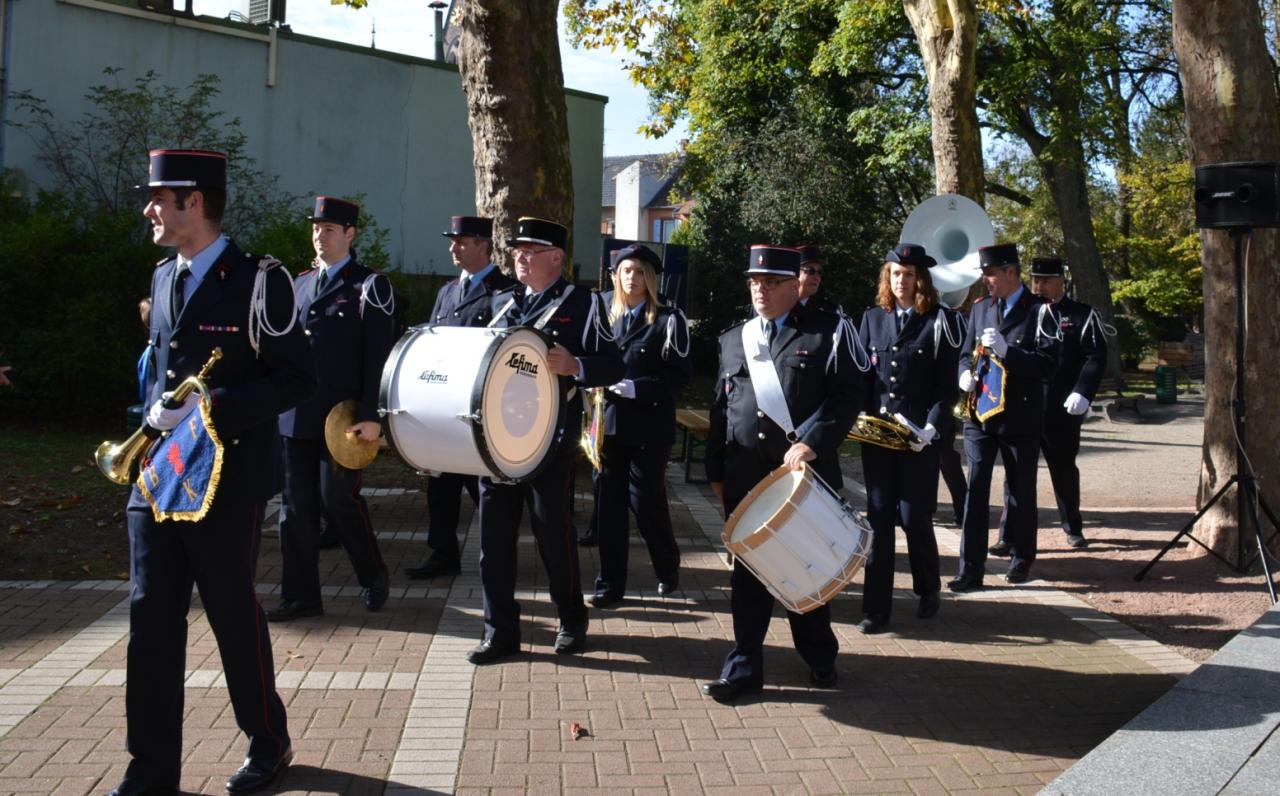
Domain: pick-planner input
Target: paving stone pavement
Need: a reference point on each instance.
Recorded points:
(1000, 692)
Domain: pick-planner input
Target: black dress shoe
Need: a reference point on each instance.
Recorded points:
(669, 586)
(436, 565)
(589, 539)
(605, 599)
(258, 773)
(490, 652)
(128, 788)
(873, 624)
(723, 690)
(1077, 540)
(965, 583)
(375, 596)
(570, 640)
(823, 678)
(1000, 548)
(929, 605)
(1017, 575)
(293, 609)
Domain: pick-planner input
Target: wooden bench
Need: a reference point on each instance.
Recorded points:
(1110, 399)
(694, 425)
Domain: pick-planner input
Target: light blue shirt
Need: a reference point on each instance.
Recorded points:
(330, 271)
(777, 322)
(200, 265)
(476, 279)
(1011, 300)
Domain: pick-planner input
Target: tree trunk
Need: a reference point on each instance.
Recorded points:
(947, 32)
(1232, 116)
(509, 57)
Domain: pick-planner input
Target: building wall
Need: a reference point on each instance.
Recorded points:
(339, 119)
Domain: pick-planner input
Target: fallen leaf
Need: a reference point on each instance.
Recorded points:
(122, 576)
(11, 503)
(79, 468)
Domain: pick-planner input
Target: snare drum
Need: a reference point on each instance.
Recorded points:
(798, 538)
(471, 400)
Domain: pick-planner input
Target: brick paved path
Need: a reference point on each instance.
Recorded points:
(999, 692)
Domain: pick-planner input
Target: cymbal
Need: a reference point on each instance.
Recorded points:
(346, 449)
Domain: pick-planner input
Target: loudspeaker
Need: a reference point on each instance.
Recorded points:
(1238, 195)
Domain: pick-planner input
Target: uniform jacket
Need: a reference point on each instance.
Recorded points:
(743, 444)
(249, 389)
(659, 375)
(601, 361)
(823, 304)
(1084, 354)
(911, 372)
(476, 309)
(1029, 362)
(349, 350)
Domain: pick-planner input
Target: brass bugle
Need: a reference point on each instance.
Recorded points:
(119, 461)
(968, 403)
(878, 431)
(592, 444)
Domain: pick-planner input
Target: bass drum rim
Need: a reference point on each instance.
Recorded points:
(389, 370)
(477, 401)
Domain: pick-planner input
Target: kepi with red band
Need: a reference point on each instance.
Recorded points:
(335, 211)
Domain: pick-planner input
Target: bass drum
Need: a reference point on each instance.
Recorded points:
(475, 401)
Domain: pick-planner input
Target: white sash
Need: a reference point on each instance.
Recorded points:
(764, 377)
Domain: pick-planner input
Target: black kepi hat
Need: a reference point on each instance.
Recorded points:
(636, 251)
(335, 210)
(539, 230)
(998, 255)
(1046, 266)
(775, 260)
(810, 254)
(472, 226)
(186, 168)
(910, 254)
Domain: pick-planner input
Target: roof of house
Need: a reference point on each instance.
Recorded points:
(664, 166)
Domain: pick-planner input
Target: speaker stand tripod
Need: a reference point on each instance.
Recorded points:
(1248, 499)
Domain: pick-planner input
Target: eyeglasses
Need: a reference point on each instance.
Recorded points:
(528, 254)
(809, 270)
(766, 283)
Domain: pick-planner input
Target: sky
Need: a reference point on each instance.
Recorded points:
(407, 26)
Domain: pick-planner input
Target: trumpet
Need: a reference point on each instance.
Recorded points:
(119, 461)
(592, 440)
(878, 431)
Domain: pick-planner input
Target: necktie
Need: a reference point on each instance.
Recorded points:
(179, 289)
(626, 323)
(1000, 307)
(902, 320)
(322, 280)
(465, 286)
(770, 328)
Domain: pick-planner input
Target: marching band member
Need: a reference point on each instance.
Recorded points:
(465, 301)
(209, 295)
(812, 264)
(345, 311)
(1021, 331)
(801, 413)
(913, 353)
(583, 355)
(1070, 391)
(640, 426)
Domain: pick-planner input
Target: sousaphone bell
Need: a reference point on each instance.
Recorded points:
(951, 228)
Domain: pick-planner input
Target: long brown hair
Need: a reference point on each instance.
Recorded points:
(926, 293)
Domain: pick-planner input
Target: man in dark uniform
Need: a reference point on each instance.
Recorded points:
(203, 298)
(1021, 331)
(345, 311)
(745, 444)
(1082, 362)
(912, 359)
(583, 354)
(465, 301)
(812, 264)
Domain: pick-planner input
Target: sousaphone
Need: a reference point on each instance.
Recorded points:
(951, 228)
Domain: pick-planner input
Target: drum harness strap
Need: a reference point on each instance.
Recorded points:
(764, 378)
(541, 322)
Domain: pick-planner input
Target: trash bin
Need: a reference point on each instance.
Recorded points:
(133, 418)
(1166, 384)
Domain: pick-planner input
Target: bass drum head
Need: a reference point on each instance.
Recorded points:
(520, 403)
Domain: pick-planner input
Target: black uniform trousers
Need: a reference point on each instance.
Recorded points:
(900, 484)
(501, 506)
(1020, 455)
(218, 555)
(634, 476)
(952, 470)
(444, 504)
(752, 607)
(1060, 444)
(313, 484)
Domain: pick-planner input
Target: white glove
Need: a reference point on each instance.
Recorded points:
(991, 338)
(1076, 404)
(925, 438)
(161, 418)
(966, 380)
(624, 389)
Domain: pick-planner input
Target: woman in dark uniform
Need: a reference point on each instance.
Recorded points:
(640, 426)
(914, 352)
